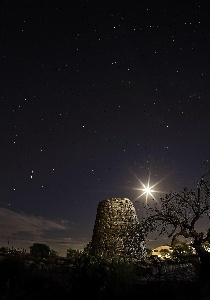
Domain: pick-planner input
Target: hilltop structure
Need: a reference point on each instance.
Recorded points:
(117, 233)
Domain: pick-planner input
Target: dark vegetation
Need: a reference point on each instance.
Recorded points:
(23, 276)
(178, 214)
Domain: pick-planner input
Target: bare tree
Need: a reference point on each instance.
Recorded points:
(178, 214)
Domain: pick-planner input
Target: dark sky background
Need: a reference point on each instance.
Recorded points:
(96, 95)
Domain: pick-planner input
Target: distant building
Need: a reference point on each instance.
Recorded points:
(117, 233)
(162, 254)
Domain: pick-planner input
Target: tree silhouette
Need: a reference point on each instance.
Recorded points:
(178, 214)
(181, 250)
(38, 250)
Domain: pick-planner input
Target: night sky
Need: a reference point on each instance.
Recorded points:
(96, 96)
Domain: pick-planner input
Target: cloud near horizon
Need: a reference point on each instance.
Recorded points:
(23, 230)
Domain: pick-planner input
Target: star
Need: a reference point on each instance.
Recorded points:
(148, 190)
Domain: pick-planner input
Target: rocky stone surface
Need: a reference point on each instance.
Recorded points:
(117, 233)
(163, 272)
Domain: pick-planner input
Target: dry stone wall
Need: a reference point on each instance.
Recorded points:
(117, 233)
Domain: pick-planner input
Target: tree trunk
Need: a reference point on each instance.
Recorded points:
(204, 258)
(204, 272)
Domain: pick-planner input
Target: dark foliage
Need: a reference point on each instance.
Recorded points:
(177, 214)
(87, 276)
(38, 250)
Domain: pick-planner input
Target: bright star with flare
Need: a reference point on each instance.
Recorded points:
(148, 190)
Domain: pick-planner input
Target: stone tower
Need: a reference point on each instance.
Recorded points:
(117, 233)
